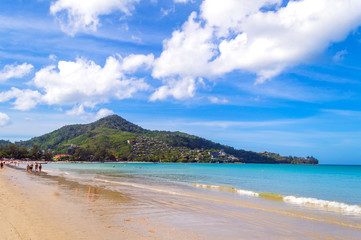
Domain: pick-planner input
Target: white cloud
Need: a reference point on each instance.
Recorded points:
(228, 15)
(259, 37)
(103, 113)
(82, 83)
(85, 83)
(166, 12)
(79, 110)
(24, 99)
(52, 57)
(4, 119)
(340, 55)
(179, 89)
(188, 51)
(76, 111)
(217, 100)
(268, 42)
(75, 16)
(15, 71)
(132, 62)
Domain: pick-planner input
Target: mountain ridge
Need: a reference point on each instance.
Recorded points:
(129, 141)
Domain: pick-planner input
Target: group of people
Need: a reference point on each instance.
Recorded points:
(31, 166)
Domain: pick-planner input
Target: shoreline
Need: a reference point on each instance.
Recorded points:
(39, 207)
(71, 161)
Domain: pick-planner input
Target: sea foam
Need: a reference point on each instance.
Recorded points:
(228, 189)
(301, 201)
(323, 204)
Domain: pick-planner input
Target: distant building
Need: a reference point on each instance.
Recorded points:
(214, 155)
(61, 157)
(222, 153)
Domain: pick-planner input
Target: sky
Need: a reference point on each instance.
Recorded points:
(261, 75)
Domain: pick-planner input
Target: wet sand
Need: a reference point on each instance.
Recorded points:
(47, 207)
(32, 210)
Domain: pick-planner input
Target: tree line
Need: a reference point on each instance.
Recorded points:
(96, 153)
(22, 152)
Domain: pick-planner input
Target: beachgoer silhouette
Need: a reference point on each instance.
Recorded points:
(40, 167)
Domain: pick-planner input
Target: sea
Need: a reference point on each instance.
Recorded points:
(323, 188)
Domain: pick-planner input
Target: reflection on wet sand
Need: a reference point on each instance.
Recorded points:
(93, 194)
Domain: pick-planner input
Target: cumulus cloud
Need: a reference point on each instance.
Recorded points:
(82, 83)
(179, 89)
(103, 113)
(75, 16)
(24, 99)
(85, 83)
(260, 37)
(15, 71)
(4, 119)
(76, 111)
(79, 110)
(227, 17)
(132, 62)
(188, 51)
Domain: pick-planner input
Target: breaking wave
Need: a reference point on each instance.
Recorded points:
(228, 189)
(323, 204)
(333, 206)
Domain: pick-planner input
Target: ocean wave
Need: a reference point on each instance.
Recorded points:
(333, 206)
(247, 193)
(324, 204)
(229, 189)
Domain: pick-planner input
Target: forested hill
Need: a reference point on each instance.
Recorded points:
(114, 136)
(81, 134)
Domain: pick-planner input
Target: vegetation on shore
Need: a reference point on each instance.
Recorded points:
(15, 152)
(114, 138)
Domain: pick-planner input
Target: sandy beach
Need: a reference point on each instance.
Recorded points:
(47, 207)
(31, 210)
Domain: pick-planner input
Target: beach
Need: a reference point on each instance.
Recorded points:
(31, 210)
(44, 206)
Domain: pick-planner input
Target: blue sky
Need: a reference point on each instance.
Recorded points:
(264, 75)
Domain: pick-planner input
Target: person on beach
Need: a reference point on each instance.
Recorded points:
(36, 167)
(1, 165)
(40, 167)
(27, 168)
(31, 167)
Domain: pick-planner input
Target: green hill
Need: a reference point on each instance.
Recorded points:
(115, 136)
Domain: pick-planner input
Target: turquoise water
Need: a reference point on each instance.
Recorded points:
(326, 186)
